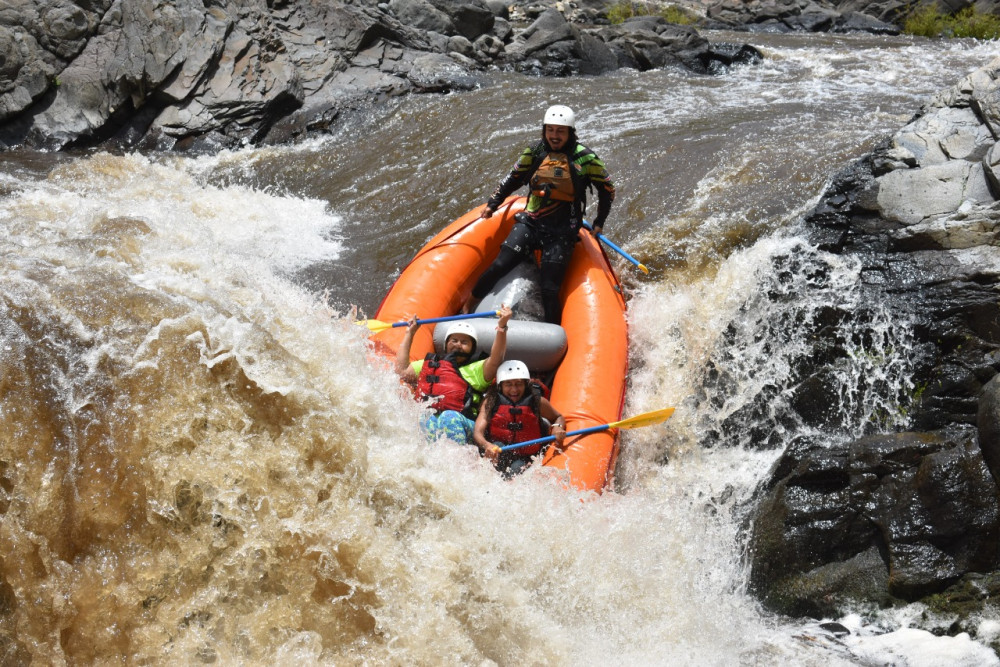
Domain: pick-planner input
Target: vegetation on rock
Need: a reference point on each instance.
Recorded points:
(626, 9)
(930, 22)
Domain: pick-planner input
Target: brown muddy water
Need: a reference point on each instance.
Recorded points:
(199, 464)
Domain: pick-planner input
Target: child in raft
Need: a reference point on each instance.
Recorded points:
(513, 411)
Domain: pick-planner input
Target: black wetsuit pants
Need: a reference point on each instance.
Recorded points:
(524, 239)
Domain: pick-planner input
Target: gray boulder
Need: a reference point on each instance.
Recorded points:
(897, 517)
(423, 15)
(944, 160)
(185, 74)
(804, 15)
(471, 18)
(550, 27)
(858, 22)
(915, 515)
(914, 195)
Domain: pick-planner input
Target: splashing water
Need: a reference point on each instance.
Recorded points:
(202, 462)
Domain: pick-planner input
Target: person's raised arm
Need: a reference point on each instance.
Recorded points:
(403, 367)
(499, 348)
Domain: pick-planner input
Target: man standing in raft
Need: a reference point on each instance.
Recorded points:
(558, 171)
(451, 382)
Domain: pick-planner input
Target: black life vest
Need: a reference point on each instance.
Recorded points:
(516, 422)
(440, 381)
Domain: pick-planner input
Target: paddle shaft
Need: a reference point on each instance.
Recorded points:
(645, 419)
(611, 244)
(449, 318)
(550, 438)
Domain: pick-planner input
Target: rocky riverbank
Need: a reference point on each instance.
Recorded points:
(913, 516)
(152, 74)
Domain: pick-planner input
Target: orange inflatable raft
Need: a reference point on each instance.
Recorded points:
(589, 383)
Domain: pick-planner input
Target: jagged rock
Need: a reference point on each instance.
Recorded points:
(945, 134)
(942, 160)
(162, 74)
(250, 87)
(802, 15)
(920, 217)
(37, 41)
(988, 422)
(959, 230)
(890, 517)
(24, 73)
(650, 42)
(912, 195)
(423, 15)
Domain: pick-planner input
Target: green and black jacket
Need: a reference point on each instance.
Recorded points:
(592, 174)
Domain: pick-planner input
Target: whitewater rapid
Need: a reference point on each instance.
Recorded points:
(201, 460)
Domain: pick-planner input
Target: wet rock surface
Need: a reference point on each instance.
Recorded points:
(910, 516)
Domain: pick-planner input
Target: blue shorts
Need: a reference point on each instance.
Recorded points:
(449, 424)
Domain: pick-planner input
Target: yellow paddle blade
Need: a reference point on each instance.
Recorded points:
(645, 419)
(642, 267)
(374, 326)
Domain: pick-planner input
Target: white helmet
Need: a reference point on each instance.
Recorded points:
(462, 328)
(560, 115)
(512, 370)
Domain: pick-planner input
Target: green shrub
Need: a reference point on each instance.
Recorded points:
(972, 23)
(677, 15)
(930, 22)
(925, 22)
(626, 9)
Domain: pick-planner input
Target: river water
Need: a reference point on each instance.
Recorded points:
(201, 464)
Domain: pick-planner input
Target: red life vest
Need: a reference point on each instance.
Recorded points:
(516, 422)
(440, 381)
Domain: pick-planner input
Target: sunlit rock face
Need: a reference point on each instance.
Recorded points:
(151, 74)
(910, 513)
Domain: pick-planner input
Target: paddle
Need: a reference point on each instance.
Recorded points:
(610, 244)
(377, 325)
(645, 419)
